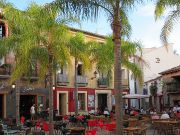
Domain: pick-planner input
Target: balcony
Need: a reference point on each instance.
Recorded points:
(82, 81)
(5, 71)
(171, 85)
(32, 76)
(62, 79)
(103, 82)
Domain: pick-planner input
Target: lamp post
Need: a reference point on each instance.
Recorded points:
(96, 75)
(53, 87)
(14, 86)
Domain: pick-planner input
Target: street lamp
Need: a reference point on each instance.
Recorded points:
(13, 86)
(96, 75)
(53, 87)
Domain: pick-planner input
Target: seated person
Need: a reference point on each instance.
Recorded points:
(155, 117)
(106, 111)
(165, 115)
(177, 114)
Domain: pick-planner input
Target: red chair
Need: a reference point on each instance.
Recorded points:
(91, 132)
(45, 126)
(65, 118)
(22, 120)
(92, 123)
(110, 127)
(101, 125)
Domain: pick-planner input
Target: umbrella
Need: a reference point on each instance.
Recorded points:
(135, 96)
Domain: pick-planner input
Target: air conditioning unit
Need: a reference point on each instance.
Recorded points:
(2, 61)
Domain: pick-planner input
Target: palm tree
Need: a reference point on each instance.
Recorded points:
(89, 9)
(37, 34)
(161, 6)
(80, 51)
(153, 91)
(103, 55)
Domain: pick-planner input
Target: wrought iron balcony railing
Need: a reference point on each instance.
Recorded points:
(5, 71)
(62, 79)
(82, 81)
(103, 82)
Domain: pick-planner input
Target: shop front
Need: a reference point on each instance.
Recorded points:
(64, 100)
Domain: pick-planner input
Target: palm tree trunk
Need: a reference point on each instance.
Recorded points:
(17, 89)
(150, 102)
(155, 103)
(51, 127)
(117, 70)
(76, 89)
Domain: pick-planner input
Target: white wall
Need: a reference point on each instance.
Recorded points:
(166, 57)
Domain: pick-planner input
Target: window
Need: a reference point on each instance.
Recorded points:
(2, 30)
(2, 60)
(123, 73)
(157, 60)
(79, 69)
(60, 69)
(81, 101)
(40, 100)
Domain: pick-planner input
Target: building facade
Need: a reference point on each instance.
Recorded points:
(157, 60)
(93, 92)
(171, 86)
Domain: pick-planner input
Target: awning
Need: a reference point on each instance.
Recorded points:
(135, 96)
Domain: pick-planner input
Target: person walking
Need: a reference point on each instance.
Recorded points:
(32, 111)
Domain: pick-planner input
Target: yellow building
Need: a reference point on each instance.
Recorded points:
(93, 92)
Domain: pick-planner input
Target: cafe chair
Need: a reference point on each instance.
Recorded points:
(91, 132)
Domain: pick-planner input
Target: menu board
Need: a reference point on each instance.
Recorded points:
(91, 101)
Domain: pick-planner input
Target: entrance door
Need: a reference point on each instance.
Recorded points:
(102, 102)
(1, 106)
(62, 103)
(26, 101)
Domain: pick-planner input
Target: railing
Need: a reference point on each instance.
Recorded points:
(5, 71)
(103, 82)
(32, 75)
(174, 87)
(62, 79)
(82, 81)
(125, 82)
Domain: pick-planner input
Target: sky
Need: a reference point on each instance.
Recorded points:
(144, 27)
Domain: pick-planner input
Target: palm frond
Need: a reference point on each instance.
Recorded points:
(168, 25)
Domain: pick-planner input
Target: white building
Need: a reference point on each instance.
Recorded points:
(158, 59)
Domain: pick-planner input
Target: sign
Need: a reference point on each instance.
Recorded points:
(113, 100)
(91, 101)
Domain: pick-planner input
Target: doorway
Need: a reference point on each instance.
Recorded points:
(26, 101)
(62, 103)
(102, 102)
(1, 106)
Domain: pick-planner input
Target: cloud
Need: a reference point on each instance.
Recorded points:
(147, 10)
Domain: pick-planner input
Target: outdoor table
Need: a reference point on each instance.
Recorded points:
(10, 132)
(77, 130)
(165, 126)
(167, 121)
(132, 129)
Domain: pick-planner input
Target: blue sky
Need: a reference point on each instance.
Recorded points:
(144, 27)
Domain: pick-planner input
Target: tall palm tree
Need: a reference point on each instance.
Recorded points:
(80, 51)
(103, 55)
(174, 14)
(37, 33)
(89, 9)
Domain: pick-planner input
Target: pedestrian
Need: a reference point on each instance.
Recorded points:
(32, 111)
(40, 109)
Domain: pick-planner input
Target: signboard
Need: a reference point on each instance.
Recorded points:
(91, 101)
(113, 100)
